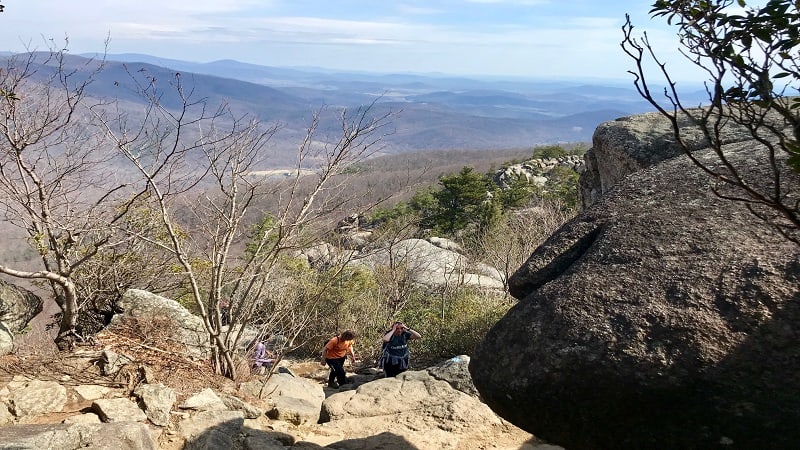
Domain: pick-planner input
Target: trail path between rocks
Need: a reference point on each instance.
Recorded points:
(187, 378)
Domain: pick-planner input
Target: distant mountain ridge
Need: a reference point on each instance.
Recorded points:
(435, 112)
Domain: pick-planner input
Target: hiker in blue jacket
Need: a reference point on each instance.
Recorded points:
(395, 357)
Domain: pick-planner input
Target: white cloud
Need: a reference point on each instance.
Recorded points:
(415, 35)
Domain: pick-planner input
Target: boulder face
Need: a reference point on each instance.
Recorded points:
(189, 329)
(17, 306)
(661, 317)
(632, 143)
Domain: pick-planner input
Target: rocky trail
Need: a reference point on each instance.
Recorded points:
(122, 393)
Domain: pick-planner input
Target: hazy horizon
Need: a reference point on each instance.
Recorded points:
(530, 39)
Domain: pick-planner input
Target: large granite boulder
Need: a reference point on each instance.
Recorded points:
(119, 436)
(631, 143)
(17, 306)
(146, 306)
(661, 317)
(430, 264)
(425, 412)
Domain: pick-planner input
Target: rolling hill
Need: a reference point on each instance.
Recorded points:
(433, 112)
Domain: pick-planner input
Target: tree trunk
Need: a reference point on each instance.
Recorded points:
(67, 333)
(68, 302)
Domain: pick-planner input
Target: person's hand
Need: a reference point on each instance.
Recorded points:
(323, 363)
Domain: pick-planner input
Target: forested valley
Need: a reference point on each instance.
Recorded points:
(100, 197)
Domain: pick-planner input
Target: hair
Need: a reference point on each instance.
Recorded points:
(348, 335)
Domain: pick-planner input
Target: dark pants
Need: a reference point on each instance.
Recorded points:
(337, 370)
(392, 370)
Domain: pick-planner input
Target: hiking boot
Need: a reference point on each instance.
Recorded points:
(333, 384)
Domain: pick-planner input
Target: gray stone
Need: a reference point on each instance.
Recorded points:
(455, 371)
(157, 400)
(292, 399)
(211, 439)
(535, 171)
(189, 329)
(111, 362)
(227, 423)
(297, 411)
(632, 143)
(37, 397)
(17, 306)
(262, 442)
(118, 410)
(237, 404)
(661, 317)
(117, 436)
(205, 400)
(412, 402)
(431, 265)
(91, 392)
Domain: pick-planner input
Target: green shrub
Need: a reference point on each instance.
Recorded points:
(453, 324)
(549, 151)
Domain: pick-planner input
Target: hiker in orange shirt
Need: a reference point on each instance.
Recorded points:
(334, 354)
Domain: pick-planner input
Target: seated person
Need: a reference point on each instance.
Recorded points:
(262, 358)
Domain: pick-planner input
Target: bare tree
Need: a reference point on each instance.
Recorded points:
(510, 242)
(750, 58)
(49, 160)
(201, 161)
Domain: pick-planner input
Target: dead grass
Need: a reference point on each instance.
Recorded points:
(149, 344)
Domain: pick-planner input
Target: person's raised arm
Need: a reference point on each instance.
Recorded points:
(388, 336)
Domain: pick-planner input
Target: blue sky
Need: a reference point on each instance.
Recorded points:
(530, 38)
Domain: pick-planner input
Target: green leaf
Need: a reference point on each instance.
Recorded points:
(763, 34)
(747, 41)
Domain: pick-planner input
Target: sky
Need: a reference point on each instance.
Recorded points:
(548, 39)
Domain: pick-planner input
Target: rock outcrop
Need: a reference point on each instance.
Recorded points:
(431, 265)
(413, 411)
(661, 317)
(17, 307)
(144, 305)
(536, 171)
(411, 402)
(631, 143)
(119, 436)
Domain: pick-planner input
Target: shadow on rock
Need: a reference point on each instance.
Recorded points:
(233, 435)
(387, 441)
(662, 317)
